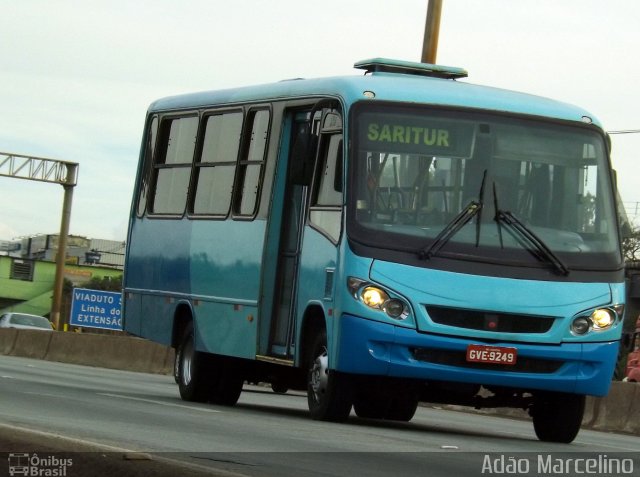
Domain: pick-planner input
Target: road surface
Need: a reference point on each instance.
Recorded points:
(265, 434)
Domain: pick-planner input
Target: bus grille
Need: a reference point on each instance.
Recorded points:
(459, 359)
(489, 321)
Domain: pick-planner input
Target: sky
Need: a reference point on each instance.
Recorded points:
(76, 77)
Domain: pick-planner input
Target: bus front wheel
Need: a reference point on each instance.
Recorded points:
(557, 416)
(204, 377)
(329, 393)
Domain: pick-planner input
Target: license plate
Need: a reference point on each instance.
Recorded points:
(491, 354)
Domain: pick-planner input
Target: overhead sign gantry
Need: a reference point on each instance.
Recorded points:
(54, 171)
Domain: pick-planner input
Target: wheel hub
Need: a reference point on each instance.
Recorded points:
(320, 375)
(187, 359)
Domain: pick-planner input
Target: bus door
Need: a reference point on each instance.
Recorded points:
(308, 138)
(290, 237)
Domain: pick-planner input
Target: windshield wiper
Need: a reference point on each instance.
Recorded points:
(472, 209)
(525, 237)
(452, 228)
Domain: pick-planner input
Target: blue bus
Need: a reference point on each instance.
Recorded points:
(379, 240)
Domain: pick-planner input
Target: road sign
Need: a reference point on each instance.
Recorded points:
(96, 309)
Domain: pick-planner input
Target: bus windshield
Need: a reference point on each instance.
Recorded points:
(462, 183)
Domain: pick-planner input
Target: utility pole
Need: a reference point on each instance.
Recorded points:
(68, 185)
(52, 171)
(431, 32)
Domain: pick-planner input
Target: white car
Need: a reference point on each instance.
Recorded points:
(24, 321)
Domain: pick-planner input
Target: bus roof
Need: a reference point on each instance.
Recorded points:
(395, 81)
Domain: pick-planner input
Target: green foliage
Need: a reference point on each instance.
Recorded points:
(104, 283)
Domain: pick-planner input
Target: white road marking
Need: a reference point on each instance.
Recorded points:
(59, 396)
(161, 403)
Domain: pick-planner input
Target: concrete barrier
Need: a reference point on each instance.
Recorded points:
(107, 351)
(32, 343)
(7, 340)
(632, 425)
(591, 410)
(618, 412)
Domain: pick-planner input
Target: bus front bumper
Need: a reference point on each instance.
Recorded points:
(374, 348)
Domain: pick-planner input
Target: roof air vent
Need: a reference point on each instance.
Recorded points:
(385, 65)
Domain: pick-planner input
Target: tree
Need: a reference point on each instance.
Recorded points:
(631, 246)
(104, 283)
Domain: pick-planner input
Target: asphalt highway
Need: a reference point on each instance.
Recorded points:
(81, 408)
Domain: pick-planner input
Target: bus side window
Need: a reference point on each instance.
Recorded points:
(145, 172)
(172, 168)
(215, 170)
(251, 163)
(326, 210)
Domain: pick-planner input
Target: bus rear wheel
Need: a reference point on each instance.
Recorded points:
(402, 408)
(329, 393)
(279, 388)
(204, 377)
(176, 364)
(370, 407)
(227, 380)
(557, 416)
(374, 404)
(191, 369)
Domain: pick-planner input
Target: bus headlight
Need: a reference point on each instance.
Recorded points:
(580, 325)
(373, 297)
(602, 319)
(377, 298)
(395, 309)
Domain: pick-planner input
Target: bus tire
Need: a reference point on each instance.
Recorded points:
(176, 364)
(329, 393)
(227, 381)
(378, 406)
(279, 388)
(557, 416)
(402, 408)
(370, 408)
(193, 382)
(370, 401)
